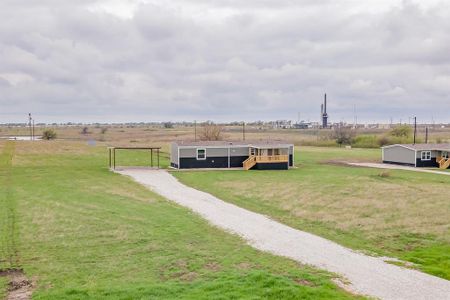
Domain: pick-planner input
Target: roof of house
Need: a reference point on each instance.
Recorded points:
(419, 147)
(264, 143)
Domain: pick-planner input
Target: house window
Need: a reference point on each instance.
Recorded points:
(201, 154)
(425, 155)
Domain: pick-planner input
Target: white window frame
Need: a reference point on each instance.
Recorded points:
(199, 149)
(425, 155)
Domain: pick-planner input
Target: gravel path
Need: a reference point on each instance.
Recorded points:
(366, 275)
(398, 167)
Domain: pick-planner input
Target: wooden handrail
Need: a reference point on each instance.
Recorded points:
(249, 162)
(443, 162)
(272, 158)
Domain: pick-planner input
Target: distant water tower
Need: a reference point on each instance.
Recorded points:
(324, 115)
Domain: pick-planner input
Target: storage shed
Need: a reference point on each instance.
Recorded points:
(417, 155)
(263, 155)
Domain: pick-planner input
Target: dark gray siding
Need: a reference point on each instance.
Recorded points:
(271, 166)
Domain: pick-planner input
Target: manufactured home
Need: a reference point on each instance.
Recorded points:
(418, 155)
(261, 155)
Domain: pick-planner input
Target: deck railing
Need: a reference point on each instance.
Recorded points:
(272, 158)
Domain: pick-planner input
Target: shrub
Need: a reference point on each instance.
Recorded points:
(168, 125)
(343, 135)
(402, 131)
(211, 132)
(365, 141)
(383, 141)
(385, 174)
(49, 134)
(104, 130)
(85, 130)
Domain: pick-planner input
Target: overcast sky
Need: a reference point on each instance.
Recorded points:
(224, 60)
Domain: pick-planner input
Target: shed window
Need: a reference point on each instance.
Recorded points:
(201, 153)
(425, 155)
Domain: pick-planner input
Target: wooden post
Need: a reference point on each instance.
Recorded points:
(114, 161)
(157, 151)
(151, 157)
(109, 164)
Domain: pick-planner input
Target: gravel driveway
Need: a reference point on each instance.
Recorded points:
(366, 275)
(398, 167)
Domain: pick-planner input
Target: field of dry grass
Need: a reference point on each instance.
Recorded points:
(129, 135)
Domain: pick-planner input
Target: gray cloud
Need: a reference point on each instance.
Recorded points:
(225, 61)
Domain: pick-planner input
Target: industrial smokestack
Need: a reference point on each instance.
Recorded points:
(324, 113)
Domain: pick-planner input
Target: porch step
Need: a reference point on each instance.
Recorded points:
(249, 162)
(444, 163)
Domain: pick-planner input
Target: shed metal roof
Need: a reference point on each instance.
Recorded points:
(420, 147)
(265, 143)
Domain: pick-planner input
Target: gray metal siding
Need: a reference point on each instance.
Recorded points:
(174, 153)
(239, 151)
(216, 152)
(188, 152)
(400, 155)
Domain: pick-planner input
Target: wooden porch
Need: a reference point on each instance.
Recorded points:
(266, 155)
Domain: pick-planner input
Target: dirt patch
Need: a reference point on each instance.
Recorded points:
(304, 282)
(19, 286)
(244, 266)
(340, 163)
(213, 266)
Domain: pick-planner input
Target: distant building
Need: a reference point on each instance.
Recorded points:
(302, 125)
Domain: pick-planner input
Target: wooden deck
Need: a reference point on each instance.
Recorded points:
(254, 159)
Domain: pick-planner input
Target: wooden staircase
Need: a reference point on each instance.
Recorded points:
(444, 163)
(249, 162)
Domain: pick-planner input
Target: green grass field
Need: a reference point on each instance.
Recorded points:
(401, 214)
(82, 232)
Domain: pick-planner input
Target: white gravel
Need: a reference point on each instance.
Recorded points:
(398, 167)
(366, 275)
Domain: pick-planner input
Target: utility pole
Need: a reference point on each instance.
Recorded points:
(426, 135)
(243, 131)
(33, 131)
(195, 130)
(29, 124)
(415, 129)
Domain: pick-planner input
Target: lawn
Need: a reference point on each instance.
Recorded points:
(401, 214)
(82, 232)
